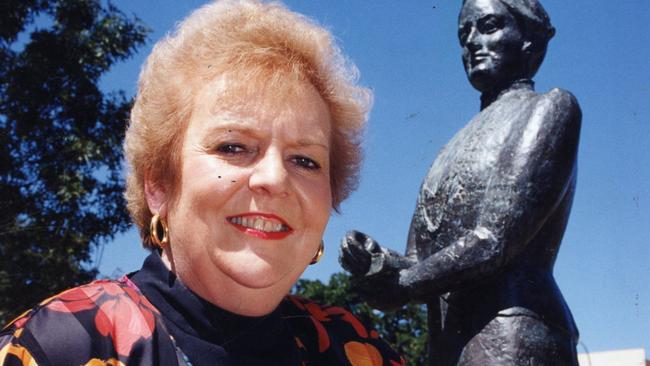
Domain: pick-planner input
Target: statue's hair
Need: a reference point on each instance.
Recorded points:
(257, 44)
(535, 23)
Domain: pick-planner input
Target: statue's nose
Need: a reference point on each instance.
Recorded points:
(471, 42)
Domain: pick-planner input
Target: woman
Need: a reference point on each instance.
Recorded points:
(243, 136)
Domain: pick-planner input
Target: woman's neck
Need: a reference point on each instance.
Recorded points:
(223, 292)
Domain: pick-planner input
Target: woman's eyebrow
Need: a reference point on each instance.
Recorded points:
(240, 126)
(309, 143)
(231, 125)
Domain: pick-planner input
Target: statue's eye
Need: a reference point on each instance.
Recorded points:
(489, 24)
(463, 33)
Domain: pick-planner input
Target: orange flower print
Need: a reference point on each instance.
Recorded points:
(363, 354)
(362, 351)
(11, 352)
(320, 315)
(109, 362)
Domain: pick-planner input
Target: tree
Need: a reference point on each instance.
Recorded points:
(60, 142)
(405, 329)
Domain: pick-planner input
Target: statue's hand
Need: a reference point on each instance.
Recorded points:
(375, 270)
(356, 252)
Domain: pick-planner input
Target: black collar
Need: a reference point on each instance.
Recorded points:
(209, 335)
(521, 84)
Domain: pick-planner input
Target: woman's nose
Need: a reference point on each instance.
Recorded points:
(269, 175)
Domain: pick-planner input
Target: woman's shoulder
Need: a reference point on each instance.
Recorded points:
(100, 297)
(332, 335)
(70, 301)
(69, 328)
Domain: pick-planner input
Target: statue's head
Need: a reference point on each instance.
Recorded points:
(502, 40)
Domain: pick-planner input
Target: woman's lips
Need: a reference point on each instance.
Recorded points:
(261, 225)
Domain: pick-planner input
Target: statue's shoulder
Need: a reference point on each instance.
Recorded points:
(560, 99)
(560, 106)
(560, 95)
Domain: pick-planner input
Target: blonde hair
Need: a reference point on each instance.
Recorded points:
(257, 41)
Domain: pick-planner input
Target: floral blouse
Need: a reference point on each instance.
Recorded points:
(150, 318)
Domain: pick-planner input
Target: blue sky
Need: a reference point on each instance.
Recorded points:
(409, 55)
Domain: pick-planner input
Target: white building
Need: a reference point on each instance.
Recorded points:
(630, 357)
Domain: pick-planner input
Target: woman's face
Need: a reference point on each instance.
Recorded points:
(254, 196)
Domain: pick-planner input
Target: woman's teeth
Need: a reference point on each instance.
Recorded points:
(258, 223)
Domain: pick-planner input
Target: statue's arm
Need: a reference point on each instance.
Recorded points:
(533, 174)
(374, 270)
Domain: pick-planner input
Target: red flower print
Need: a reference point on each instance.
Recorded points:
(360, 350)
(20, 321)
(124, 322)
(142, 302)
(126, 317)
(348, 317)
(324, 314)
(323, 337)
(75, 300)
(122, 313)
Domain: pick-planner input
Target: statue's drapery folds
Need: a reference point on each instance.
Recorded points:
(492, 209)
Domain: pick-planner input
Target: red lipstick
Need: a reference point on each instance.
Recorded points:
(261, 225)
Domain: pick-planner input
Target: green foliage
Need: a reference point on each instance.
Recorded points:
(60, 142)
(405, 329)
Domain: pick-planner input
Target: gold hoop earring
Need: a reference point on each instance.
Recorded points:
(154, 231)
(319, 254)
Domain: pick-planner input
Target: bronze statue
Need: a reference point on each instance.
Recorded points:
(492, 210)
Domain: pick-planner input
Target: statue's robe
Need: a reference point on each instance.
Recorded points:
(486, 231)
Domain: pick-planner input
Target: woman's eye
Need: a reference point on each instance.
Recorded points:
(231, 148)
(305, 162)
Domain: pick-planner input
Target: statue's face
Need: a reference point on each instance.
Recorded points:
(493, 45)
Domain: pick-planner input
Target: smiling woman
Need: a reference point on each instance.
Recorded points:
(246, 168)
(243, 137)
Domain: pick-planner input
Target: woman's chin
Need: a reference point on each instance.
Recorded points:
(256, 273)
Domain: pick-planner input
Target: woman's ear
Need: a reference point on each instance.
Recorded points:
(156, 196)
